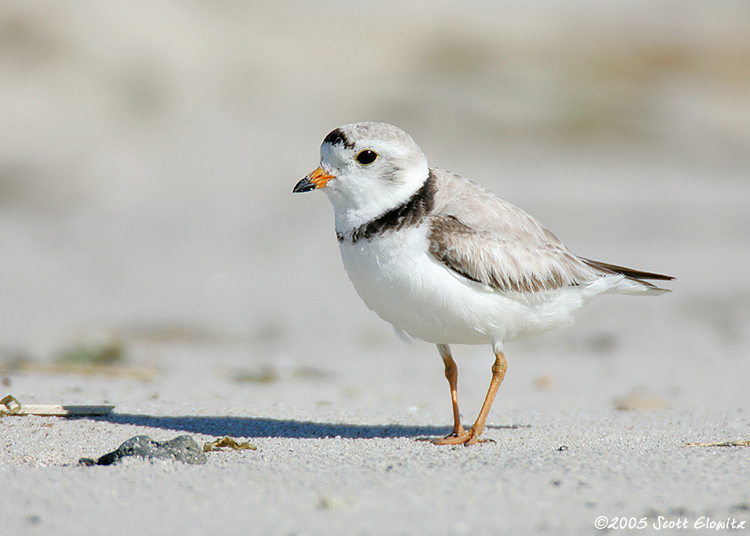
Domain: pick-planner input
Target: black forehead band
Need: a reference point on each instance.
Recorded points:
(337, 136)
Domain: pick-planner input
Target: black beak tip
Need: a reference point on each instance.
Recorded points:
(305, 185)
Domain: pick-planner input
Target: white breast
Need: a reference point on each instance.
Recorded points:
(397, 278)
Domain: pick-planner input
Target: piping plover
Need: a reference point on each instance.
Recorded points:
(447, 261)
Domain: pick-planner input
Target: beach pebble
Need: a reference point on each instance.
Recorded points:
(182, 448)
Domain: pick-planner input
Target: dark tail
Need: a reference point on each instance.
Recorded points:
(630, 273)
(627, 272)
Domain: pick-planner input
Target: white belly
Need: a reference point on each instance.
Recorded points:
(397, 278)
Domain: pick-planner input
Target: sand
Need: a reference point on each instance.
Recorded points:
(146, 216)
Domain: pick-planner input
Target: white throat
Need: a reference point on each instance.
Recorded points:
(354, 207)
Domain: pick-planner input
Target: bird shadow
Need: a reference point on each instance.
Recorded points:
(259, 427)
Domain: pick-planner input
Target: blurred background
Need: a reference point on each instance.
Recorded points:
(148, 152)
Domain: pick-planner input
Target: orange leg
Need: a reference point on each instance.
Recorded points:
(498, 373)
(458, 435)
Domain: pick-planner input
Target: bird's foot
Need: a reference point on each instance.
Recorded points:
(453, 438)
(461, 437)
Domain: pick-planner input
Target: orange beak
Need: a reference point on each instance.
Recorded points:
(314, 181)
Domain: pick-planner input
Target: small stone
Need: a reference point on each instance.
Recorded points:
(640, 402)
(545, 382)
(327, 503)
(182, 448)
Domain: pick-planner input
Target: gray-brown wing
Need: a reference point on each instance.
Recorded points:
(490, 241)
(503, 264)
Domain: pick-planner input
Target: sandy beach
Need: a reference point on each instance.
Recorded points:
(155, 260)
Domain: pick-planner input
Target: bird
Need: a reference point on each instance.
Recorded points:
(447, 261)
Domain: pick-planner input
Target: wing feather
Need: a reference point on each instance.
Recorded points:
(490, 241)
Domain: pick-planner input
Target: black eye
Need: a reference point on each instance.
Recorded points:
(366, 157)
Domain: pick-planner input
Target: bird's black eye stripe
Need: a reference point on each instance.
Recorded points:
(366, 157)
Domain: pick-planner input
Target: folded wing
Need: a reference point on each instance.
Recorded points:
(490, 241)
